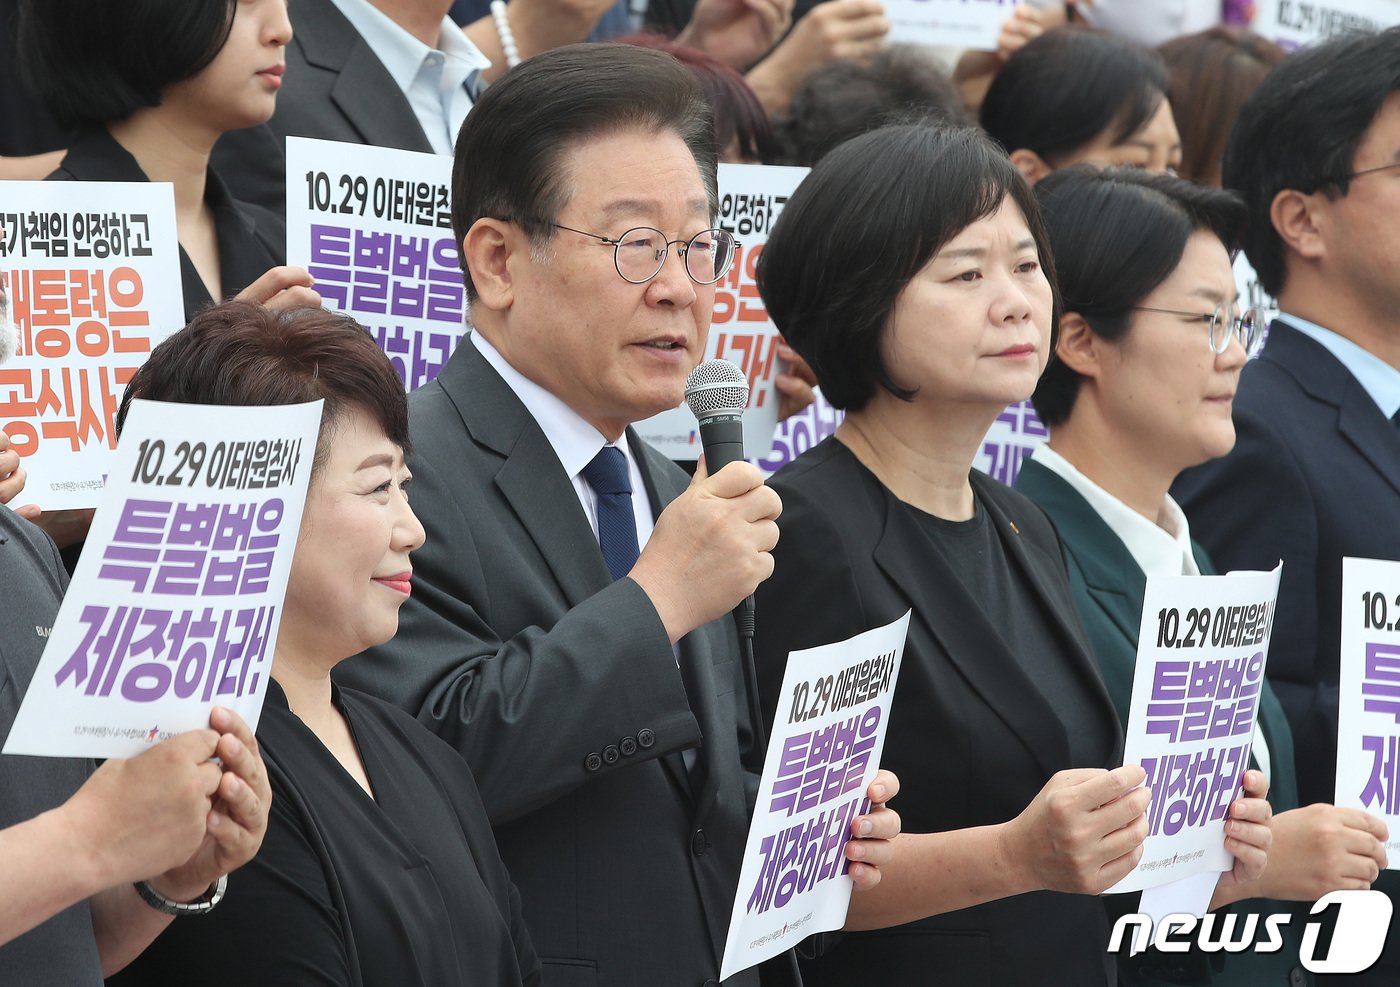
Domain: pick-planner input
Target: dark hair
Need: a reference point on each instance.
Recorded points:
(92, 63)
(510, 152)
(739, 118)
(241, 353)
(1068, 86)
(839, 101)
(1211, 74)
(867, 219)
(1117, 234)
(1300, 130)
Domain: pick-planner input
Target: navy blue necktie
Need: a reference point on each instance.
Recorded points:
(617, 526)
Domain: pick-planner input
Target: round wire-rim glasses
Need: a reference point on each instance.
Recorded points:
(1222, 325)
(640, 253)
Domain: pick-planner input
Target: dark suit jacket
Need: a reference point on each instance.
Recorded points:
(1108, 588)
(251, 240)
(561, 689)
(1314, 476)
(336, 89)
(971, 735)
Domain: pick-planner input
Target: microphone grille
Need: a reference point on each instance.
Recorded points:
(716, 386)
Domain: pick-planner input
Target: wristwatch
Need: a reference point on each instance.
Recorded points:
(200, 906)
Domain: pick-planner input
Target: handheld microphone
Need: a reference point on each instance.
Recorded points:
(717, 393)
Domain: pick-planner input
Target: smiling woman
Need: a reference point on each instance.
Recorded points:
(379, 865)
(149, 86)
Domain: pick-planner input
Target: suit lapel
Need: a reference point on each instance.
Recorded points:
(530, 477)
(364, 91)
(1325, 377)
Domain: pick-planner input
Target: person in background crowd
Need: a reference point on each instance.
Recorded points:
(912, 270)
(73, 839)
(833, 31)
(153, 84)
(1148, 358)
(1210, 75)
(379, 866)
(1075, 94)
(1316, 463)
(148, 86)
(743, 132)
(847, 98)
(569, 631)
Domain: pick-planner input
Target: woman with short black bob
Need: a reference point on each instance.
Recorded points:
(379, 865)
(1074, 95)
(148, 86)
(911, 270)
(1149, 354)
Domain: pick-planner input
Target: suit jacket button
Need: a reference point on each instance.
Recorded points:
(646, 738)
(592, 762)
(628, 746)
(610, 754)
(1298, 978)
(698, 846)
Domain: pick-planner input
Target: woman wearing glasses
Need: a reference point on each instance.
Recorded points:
(910, 269)
(1150, 348)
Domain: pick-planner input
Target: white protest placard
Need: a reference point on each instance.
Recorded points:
(92, 274)
(1368, 730)
(953, 23)
(1297, 23)
(828, 735)
(373, 225)
(1202, 649)
(751, 199)
(178, 596)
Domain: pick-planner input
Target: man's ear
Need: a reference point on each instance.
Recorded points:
(1078, 347)
(1299, 220)
(489, 250)
(1031, 165)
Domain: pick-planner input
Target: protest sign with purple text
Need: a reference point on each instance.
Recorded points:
(373, 225)
(751, 199)
(92, 274)
(1368, 731)
(823, 752)
(1202, 648)
(953, 23)
(1016, 434)
(1297, 23)
(178, 595)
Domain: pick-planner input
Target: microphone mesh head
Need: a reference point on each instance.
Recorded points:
(716, 386)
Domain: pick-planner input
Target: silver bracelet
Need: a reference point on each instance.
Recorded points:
(507, 36)
(200, 906)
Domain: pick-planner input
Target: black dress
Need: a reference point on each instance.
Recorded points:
(998, 690)
(251, 239)
(404, 888)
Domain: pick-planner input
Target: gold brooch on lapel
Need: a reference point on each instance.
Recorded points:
(1014, 530)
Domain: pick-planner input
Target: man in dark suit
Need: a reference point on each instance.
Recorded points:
(1315, 472)
(568, 630)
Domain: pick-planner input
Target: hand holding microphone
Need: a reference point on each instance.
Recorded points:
(710, 547)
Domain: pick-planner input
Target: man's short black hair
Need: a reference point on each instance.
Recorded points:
(1067, 87)
(510, 152)
(93, 63)
(867, 219)
(1117, 234)
(1300, 130)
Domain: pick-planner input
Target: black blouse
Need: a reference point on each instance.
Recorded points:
(406, 887)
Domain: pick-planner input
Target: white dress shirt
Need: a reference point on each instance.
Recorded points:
(435, 81)
(1162, 548)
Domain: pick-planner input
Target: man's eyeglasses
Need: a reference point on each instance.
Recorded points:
(640, 253)
(1223, 325)
(1367, 171)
